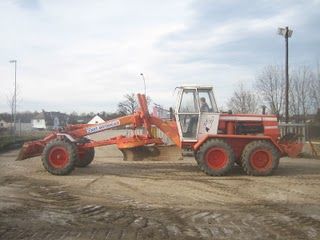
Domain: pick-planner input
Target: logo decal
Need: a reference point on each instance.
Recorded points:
(208, 124)
(103, 126)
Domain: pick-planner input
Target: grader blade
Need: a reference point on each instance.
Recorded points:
(152, 153)
(29, 150)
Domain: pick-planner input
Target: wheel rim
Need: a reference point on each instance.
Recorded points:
(261, 160)
(216, 158)
(58, 157)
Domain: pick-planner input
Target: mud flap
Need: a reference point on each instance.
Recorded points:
(152, 153)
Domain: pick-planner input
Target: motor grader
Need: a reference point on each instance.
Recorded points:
(218, 140)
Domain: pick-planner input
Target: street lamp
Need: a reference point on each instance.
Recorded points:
(286, 32)
(15, 97)
(144, 82)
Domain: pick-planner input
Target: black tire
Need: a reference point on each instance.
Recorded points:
(59, 157)
(215, 157)
(260, 158)
(196, 156)
(86, 158)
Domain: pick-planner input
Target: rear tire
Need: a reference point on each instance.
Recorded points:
(260, 158)
(59, 157)
(196, 156)
(215, 157)
(85, 158)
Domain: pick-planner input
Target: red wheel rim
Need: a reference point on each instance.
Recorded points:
(216, 158)
(58, 157)
(261, 160)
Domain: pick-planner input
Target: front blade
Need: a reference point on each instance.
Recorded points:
(29, 150)
(152, 153)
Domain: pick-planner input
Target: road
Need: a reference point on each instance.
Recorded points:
(114, 199)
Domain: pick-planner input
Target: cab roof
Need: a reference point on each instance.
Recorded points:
(195, 87)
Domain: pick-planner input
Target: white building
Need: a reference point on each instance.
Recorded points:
(96, 119)
(4, 124)
(39, 122)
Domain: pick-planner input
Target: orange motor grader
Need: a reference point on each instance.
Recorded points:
(218, 140)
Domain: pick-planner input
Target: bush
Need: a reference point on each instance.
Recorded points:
(7, 141)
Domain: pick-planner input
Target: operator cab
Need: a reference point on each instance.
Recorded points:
(196, 112)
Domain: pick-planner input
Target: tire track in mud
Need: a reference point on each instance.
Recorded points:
(157, 223)
(54, 213)
(65, 213)
(281, 221)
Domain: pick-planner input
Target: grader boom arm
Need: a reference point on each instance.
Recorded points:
(76, 133)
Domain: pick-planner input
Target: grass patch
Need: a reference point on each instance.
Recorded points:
(7, 141)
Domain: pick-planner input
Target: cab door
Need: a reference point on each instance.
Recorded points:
(194, 120)
(209, 115)
(187, 114)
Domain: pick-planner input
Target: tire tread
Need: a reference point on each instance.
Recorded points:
(249, 148)
(202, 162)
(71, 148)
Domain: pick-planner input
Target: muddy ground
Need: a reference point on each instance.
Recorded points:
(113, 199)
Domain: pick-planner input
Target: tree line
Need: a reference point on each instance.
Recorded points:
(269, 90)
(72, 118)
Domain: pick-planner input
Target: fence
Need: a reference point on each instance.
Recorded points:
(297, 128)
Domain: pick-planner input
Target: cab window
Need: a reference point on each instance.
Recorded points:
(189, 102)
(206, 101)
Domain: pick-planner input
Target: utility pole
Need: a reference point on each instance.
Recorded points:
(287, 33)
(144, 82)
(15, 98)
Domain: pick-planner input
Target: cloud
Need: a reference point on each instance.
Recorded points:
(28, 4)
(240, 37)
(241, 32)
(85, 58)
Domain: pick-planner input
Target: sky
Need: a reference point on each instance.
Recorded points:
(84, 56)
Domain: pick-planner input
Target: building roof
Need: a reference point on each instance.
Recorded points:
(40, 116)
(96, 119)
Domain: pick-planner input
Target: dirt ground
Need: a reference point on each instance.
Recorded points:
(113, 199)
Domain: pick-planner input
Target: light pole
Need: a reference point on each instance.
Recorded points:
(286, 32)
(15, 97)
(144, 82)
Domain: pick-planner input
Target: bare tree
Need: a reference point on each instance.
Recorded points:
(10, 100)
(130, 104)
(11, 104)
(270, 84)
(301, 91)
(243, 101)
(315, 89)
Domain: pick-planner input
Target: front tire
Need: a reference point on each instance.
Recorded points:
(215, 157)
(260, 158)
(59, 157)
